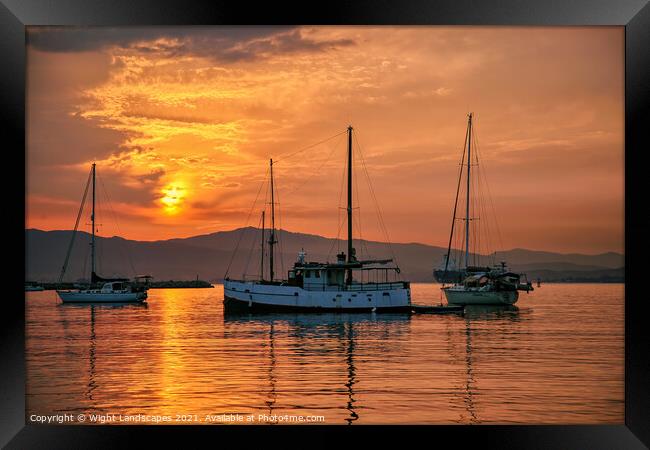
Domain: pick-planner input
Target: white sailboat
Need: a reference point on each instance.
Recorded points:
(100, 290)
(475, 284)
(318, 286)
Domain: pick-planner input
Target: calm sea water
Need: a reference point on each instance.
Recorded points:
(557, 358)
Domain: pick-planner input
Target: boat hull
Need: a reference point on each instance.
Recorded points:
(255, 297)
(475, 297)
(99, 297)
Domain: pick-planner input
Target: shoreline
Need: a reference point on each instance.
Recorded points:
(168, 284)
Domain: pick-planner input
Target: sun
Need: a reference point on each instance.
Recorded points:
(173, 196)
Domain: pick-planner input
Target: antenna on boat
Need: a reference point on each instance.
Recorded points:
(272, 239)
(350, 249)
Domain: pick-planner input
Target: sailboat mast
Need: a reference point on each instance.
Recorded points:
(262, 258)
(272, 236)
(453, 216)
(76, 227)
(350, 249)
(92, 240)
(469, 165)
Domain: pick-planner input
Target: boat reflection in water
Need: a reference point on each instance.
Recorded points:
(475, 317)
(94, 310)
(494, 365)
(491, 312)
(313, 334)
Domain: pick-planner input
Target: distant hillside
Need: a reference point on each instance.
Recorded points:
(520, 256)
(578, 276)
(208, 256)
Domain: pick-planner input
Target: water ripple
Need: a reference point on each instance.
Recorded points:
(555, 358)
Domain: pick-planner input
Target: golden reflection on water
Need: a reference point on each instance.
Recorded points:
(557, 357)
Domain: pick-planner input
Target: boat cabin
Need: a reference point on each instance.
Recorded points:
(368, 275)
(114, 286)
(476, 280)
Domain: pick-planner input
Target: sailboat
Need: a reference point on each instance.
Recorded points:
(100, 290)
(317, 286)
(475, 284)
(447, 272)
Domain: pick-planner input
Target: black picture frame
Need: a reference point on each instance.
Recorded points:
(634, 15)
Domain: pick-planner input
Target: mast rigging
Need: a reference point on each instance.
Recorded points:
(453, 216)
(74, 231)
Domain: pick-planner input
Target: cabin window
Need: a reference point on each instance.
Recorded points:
(307, 273)
(317, 273)
(117, 286)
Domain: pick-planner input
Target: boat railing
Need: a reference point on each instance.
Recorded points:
(356, 286)
(333, 287)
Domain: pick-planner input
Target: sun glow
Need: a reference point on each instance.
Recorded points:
(182, 123)
(173, 196)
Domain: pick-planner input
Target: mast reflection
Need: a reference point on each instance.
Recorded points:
(469, 385)
(92, 384)
(349, 354)
(475, 314)
(95, 308)
(303, 329)
(272, 395)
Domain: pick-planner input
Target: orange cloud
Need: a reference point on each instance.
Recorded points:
(182, 123)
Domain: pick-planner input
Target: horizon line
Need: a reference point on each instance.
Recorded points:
(326, 237)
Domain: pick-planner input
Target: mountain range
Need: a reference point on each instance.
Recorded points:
(209, 256)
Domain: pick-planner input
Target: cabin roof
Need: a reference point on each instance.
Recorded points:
(476, 277)
(364, 265)
(317, 265)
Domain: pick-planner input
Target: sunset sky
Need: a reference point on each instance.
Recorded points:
(182, 122)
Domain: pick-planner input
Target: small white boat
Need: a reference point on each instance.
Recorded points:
(475, 285)
(113, 290)
(492, 287)
(460, 296)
